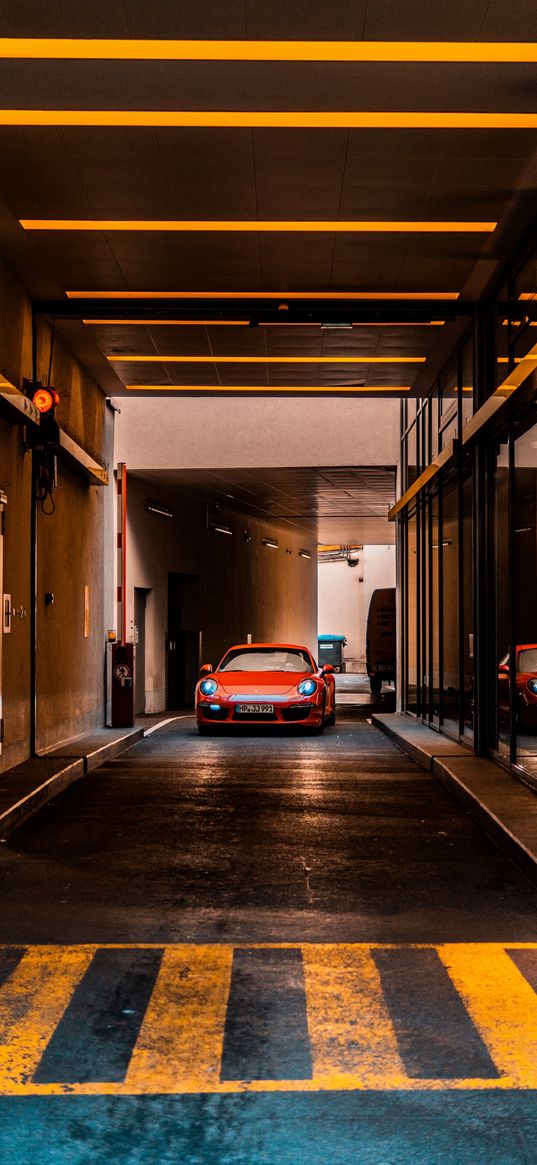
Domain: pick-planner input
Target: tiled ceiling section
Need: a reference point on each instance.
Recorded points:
(333, 506)
(249, 174)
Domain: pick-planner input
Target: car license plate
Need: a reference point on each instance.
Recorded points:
(256, 709)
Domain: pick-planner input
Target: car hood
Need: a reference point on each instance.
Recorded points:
(275, 683)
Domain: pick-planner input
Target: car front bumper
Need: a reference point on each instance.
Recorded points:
(307, 713)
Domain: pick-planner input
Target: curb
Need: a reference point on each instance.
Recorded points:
(16, 814)
(75, 765)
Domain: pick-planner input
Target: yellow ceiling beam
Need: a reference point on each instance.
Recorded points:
(158, 359)
(337, 226)
(230, 119)
(48, 48)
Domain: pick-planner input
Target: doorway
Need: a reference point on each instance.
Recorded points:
(140, 600)
(182, 639)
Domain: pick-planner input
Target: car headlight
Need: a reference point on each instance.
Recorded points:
(532, 685)
(208, 687)
(307, 687)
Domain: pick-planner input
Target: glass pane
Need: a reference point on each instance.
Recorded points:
(412, 460)
(503, 628)
(450, 605)
(468, 605)
(525, 584)
(411, 615)
(435, 601)
(467, 381)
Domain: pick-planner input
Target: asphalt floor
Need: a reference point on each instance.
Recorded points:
(255, 948)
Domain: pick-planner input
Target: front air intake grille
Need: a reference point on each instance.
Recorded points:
(297, 712)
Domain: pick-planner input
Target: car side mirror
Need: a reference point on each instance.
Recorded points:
(206, 669)
(327, 669)
(503, 669)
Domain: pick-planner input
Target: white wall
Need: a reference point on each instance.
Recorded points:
(233, 432)
(344, 600)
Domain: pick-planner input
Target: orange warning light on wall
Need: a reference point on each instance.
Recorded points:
(45, 399)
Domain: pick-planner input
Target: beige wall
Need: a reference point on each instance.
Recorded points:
(245, 588)
(192, 433)
(70, 549)
(345, 593)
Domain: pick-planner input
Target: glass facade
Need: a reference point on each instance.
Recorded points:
(468, 535)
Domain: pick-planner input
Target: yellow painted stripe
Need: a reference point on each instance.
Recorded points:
(32, 1002)
(179, 1047)
(337, 226)
(352, 1039)
(501, 1004)
(158, 359)
(48, 48)
(273, 119)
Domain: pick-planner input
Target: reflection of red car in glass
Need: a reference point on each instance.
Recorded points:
(266, 683)
(526, 686)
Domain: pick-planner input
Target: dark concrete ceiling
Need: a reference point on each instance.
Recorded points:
(248, 173)
(332, 505)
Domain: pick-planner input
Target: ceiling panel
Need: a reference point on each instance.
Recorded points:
(260, 85)
(306, 19)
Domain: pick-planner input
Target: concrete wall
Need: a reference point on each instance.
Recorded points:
(345, 593)
(70, 549)
(192, 433)
(245, 587)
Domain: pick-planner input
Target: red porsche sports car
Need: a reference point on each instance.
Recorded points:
(266, 683)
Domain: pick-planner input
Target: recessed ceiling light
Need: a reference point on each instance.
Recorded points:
(358, 295)
(158, 508)
(274, 119)
(335, 359)
(337, 226)
(51, 48)
(262, 323)
(263, 390)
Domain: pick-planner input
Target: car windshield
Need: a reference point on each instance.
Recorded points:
(527, 659)
(267, 659)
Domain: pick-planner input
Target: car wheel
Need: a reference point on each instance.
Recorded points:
(205, 729)
(330, 720)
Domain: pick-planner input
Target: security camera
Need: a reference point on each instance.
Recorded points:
(352, 561)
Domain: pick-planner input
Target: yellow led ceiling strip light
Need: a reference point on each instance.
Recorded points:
(224, 119)
(129, 323)
(280, 295)
(262, 388)
(488, 52)
(414, 226)
(158, 359)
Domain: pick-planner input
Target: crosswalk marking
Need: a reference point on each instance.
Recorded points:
(179, 1048)
(32, 1002)
(502, 1006)
(352, 1039)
